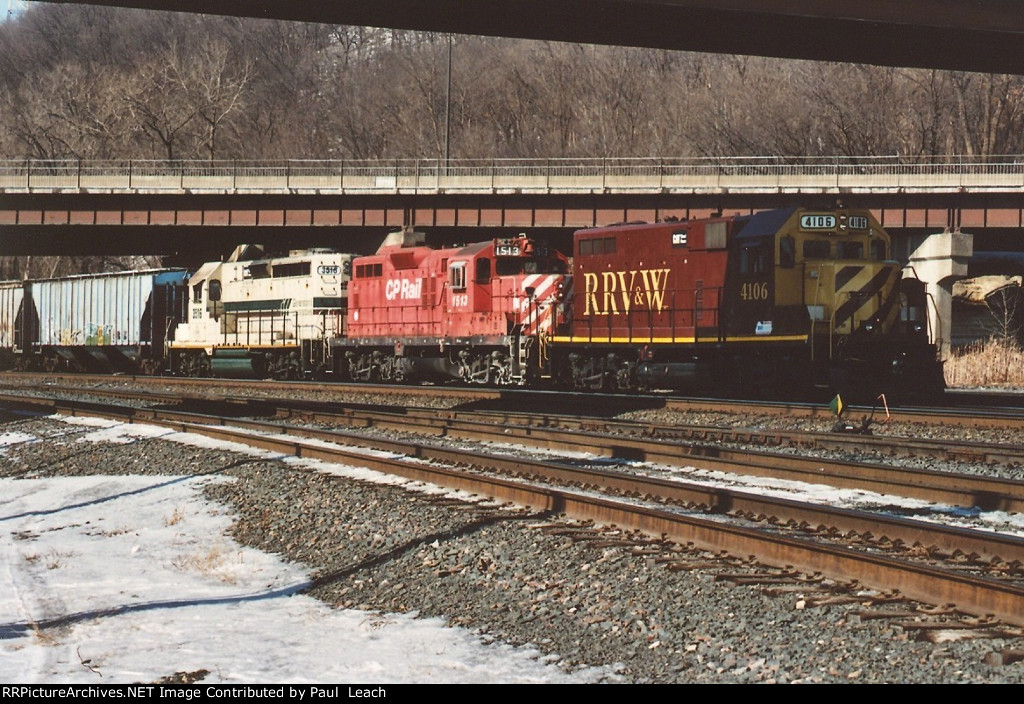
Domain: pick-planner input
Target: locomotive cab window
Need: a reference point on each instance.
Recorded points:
(878, 252)
(514, 267)
(483, 270)
(850, 250)
(457, 276)
(291, 269)
(816, 249)
(755, 258)
(215, 290)
(258, 271)
(197, 292)
(787, 252)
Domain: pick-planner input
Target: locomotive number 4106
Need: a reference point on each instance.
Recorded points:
(754, 291)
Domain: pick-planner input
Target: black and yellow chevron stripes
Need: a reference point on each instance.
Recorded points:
(857, 289)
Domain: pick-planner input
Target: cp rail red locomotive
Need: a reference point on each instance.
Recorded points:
(481, 313)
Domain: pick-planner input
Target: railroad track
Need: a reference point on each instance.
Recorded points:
(978, 572)
(563, 402)
(674, 446)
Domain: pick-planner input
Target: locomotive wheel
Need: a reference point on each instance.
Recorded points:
(194, 364)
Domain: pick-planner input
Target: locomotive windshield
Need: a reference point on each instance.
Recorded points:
(843, 249)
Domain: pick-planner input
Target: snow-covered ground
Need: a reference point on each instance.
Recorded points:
(129, 579)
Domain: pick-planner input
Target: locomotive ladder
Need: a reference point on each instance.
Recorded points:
(522, 353)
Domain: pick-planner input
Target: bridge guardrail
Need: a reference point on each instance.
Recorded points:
(496, 175)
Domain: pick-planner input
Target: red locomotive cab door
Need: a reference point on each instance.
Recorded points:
(482, 300)
(457, 295)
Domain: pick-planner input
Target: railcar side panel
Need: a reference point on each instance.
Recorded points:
(649, 284)
(103, 321)
(12, 293)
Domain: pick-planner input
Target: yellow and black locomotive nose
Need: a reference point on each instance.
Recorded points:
(857, 293)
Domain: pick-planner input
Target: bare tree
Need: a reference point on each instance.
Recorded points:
(159, 104)
(216, 86)
(989, 112)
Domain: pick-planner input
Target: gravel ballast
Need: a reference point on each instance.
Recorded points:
(510, 575)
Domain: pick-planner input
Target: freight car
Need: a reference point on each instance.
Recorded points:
(117, 322)
(778, 302)
(254, 316)
(481, 313)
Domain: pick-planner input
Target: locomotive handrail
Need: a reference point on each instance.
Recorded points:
(753, 173)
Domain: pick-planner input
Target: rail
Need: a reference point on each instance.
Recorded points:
(595, 175)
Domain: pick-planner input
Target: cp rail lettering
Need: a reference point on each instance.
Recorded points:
(403, 289)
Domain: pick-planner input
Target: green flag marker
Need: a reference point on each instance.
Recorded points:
(837, 406)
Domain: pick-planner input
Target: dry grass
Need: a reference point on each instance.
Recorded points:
(54, 559)
(43, 636)
(216, 563)
(991, 363)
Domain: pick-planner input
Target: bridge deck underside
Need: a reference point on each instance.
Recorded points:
(78, 223)
(12, 220)
(945, 34)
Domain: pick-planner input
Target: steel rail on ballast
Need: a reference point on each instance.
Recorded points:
(669, 445)
(997, 418)
(971, 594)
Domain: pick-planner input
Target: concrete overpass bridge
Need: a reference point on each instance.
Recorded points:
(204, 208)
(966, 35)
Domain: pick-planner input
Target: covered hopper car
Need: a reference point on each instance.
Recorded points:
(98, 322)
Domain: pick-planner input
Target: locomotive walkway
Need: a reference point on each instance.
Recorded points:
(760, 175)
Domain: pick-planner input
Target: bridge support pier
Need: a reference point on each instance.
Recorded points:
(939, 261)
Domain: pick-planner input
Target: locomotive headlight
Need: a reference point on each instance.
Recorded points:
(897, 364)
(875, 324)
